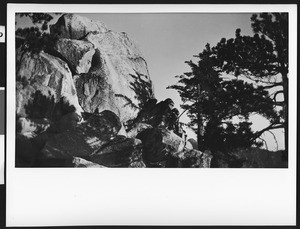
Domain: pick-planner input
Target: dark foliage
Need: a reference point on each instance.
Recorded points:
(212, 102)
(143, 91)
(36, 38)
(262, 58)
(40, 105)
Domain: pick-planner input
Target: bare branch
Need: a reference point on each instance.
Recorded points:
(256, 79)
(273, 85)
(274, 139)
(275, 95)
(270, 127)
(279, 103)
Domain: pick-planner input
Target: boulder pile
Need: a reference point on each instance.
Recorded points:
(90, 103)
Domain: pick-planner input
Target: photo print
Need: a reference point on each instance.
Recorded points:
(88, 96)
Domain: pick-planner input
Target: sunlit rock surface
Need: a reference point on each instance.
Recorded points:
(118, 71)
(42, 80)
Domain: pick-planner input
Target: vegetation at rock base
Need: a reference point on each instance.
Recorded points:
(213, 100)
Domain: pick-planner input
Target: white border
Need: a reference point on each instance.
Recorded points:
(51, 197)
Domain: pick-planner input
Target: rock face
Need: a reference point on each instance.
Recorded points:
(77, 53)
(138, 128)
(117, 66)
(91, 67)
(76, 27)
(42, 80)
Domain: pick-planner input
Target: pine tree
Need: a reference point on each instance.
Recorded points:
(212, 102)
(262, 58)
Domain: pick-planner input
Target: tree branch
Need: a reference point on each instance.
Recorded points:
(256, 79)
(274, 85)
(274, 139)
(275, 95)
(270, 127)
(279, 103)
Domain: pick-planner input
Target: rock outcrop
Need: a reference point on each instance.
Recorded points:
(42, 81)
(77, 104)
(117, 66)
(73, 26)
(78, 54)
(163, 148)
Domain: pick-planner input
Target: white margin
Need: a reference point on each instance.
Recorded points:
(52, 197)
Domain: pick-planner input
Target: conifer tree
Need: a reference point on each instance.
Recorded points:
(263, 59)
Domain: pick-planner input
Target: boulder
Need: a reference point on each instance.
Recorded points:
(163, 146)
(138, 128)
(193, 142)
(158, 143)
(78, 162)
(118, 79)
(31, 127)
(85, 139)
(192, 159)
(189, 158)
(42, 80)
(120, 152)
(74, 26)
(170, 138)
(78, 54)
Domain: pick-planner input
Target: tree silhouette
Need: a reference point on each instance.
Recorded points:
(212, 102)
(37, 37)
(263, 59)
(143, 91)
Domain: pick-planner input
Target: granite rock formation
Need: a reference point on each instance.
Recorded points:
(77, 105)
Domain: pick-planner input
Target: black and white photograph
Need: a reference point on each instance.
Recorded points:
(152, 90)
(151, 114)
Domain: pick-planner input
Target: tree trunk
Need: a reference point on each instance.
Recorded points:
(200, 132)
(199, 122)
(285, 108)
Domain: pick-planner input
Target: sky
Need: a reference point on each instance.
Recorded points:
(167, 40)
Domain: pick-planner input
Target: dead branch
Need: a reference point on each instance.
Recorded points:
(274, 139)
